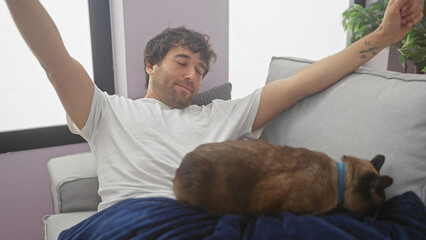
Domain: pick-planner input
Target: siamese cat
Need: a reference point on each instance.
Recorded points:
(256, 178)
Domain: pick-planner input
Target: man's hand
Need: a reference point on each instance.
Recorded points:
(399, 17)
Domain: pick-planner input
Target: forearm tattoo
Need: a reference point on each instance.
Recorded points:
(372, 50)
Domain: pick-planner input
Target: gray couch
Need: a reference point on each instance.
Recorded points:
(369, 112)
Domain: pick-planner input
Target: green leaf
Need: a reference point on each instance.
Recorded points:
(358, 7)
(416, 57)
(344, 24)
(405, 52)
(410, 45)
(410, 39)
(422, 50)
(424, 69)
(364, 29)
(357, 27)
(402, 60)
(421, 65)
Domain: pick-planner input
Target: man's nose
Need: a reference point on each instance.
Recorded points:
(190, 74)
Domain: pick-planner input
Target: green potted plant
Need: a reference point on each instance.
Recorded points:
(360, 21)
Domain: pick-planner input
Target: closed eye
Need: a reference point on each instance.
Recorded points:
(197, 70)
(201, 73)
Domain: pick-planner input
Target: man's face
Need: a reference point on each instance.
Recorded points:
(177, 78)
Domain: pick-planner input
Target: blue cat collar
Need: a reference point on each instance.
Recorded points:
(340, 183)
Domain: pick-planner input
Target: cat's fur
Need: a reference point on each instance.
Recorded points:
(258, 178)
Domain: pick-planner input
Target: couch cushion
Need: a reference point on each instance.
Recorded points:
(55, 224)
(369, 112)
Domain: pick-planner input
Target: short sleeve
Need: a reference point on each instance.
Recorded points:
(242, 113)
(96, 109)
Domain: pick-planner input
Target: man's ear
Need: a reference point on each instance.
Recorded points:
(149, 68)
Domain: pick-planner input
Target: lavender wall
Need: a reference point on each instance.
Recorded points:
(25, 190)
(24, 183)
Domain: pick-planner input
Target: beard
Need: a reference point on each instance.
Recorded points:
(169, 90)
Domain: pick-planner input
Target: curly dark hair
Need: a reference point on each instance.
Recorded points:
(158, 47)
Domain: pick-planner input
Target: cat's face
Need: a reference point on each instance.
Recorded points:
(364, 187)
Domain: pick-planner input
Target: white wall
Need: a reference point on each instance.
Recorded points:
(261, 29)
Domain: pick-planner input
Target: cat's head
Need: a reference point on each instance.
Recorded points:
(363, 186)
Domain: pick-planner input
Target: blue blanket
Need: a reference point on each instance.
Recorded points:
(402, 217)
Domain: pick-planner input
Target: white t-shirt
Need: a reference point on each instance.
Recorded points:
(139, 144)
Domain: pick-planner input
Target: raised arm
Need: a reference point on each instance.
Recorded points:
(71, 82)
(277, 96)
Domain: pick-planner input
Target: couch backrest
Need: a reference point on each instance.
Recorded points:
(367, 113)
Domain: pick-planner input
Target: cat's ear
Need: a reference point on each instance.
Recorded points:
(372, 183)
(378, 161)
(380, 183)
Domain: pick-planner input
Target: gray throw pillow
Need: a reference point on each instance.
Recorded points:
(220, 92)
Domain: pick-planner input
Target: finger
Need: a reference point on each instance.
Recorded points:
(411, 8)
(415, 20)
(400, 7)
(413, 16)
(410, 11)
(418, 19)
(399, 4)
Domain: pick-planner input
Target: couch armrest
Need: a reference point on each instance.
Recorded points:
(53, 225)
(74, 183)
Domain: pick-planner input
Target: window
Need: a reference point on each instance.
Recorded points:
(26, 132)
(261, 29)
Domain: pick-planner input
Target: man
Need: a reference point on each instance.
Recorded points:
(139, 144)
